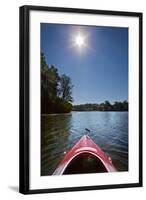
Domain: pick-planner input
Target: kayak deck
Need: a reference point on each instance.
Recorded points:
(85, 157)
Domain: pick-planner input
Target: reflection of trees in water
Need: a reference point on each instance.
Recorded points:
(55, 131)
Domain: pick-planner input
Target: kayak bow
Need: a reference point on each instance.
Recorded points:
(85, 157)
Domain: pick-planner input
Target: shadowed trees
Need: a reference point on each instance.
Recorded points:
(65, 88)
(56, 90)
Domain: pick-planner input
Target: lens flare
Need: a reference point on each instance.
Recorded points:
(79, 40)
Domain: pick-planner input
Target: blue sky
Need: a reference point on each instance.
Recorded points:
(98, 69)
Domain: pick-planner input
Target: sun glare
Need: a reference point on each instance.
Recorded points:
(79, 40)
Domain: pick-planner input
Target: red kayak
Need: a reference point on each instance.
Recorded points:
(85, 157)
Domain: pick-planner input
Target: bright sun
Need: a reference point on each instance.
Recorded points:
(79, 40)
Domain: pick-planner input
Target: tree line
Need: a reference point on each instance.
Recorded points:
(56, 89)
(106, 106)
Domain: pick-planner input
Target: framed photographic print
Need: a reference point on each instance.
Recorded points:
(80, 99)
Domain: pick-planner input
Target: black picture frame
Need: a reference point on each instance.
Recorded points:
(25, 105)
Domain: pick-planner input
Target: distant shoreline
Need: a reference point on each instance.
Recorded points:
(89, 107)
(105, 106)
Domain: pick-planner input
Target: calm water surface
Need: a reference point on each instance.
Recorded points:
(60, 132)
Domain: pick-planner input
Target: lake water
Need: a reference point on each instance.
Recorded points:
(60, 132)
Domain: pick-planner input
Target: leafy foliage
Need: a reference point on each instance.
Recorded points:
(56, 91)
(65, 88)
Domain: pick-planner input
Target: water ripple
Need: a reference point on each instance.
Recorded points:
(60, 132)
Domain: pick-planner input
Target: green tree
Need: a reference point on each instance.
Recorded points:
(65, 88)
(53, 78)
(125, 105)
(107, 106)
(56, 91)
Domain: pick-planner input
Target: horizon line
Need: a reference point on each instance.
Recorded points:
(100, 102)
